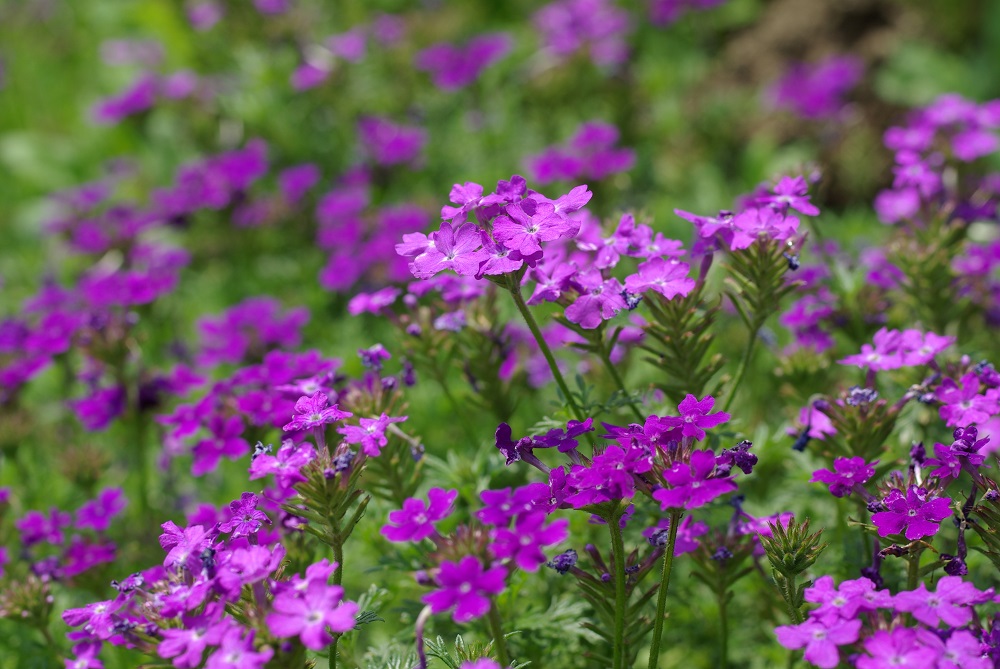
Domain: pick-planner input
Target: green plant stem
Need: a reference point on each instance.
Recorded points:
(618, 553)
(913, 572)
(499, 642)
(723, 630)
(514, 286)
(610, 366)
(142, 464)
(661, 595)
(744, 364)
(789, 594)
(338, 579)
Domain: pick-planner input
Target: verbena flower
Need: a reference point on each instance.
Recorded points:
(821, 640)
(950, 603)
(695, 416)
(693, 485)
(846, 475)
(313, 412)
(465, 587)
(915, 515)
(246, 520)
(524, 542)
(370, 433)
(311, 613)
(415, 521)
(453, 67)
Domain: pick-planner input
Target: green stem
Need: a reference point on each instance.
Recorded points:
(661, 595)
(618, 553)
(141, 454)
(723, 630)
(744, 364)
(514, 286)
(789, 594)
(913, 573)
(610, 366)
(499, 642)
(338, 578)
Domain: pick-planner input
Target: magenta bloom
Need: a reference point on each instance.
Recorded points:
(687, 534)
(466, 587)
(388, 143)
(237, 652)
(599, 300)
(896, 648)
(313, 412)
(457, 248)
(817, 91)
(97, 513)
(667, 277)
(847, 473)
(693, 486)
(246, 519)
(370, 434)
(914, 513)
(499, 506)
(694, 416)
(884, 355)
(523, 544)
(962, 403)
(950, 603)
(453, 67)
(845, 602)
(415, 521)
(308, 614)
(819, 639)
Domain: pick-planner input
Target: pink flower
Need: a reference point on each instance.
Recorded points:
(695, 416)
(309, 614)
(950, 602)
(914, 513)
(819, 639)
(466, 587)
(313, 412)
(415, 521)
(693, 486)
(524, 543)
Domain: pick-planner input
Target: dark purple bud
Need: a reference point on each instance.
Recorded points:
(659, 538)
(874, 506)
(631, 300)
(721, 554)
(793, 261)
(918, 453)
(956, 567)
(860, 397)
(563, 562)
(413, 330)
(409, 374)
(423, 578)
(632, 569)
(343, 461)
(802, 440)
(895, 550)
(991, 495)
(260, 449)
(606, 577)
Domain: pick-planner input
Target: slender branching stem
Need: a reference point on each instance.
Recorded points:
(661, 595)
(499, 642)
(618, 555)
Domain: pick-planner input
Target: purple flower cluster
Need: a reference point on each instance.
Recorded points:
(181, 610)
(892, 349)
(589, 154)
(817, 91)
(595, 26)
(361, 240)
(147, 91)
(858, 615)
(949, 130)
(388, 143)
(765, 216)
(60, 546)
(248, 330)
(454, 67)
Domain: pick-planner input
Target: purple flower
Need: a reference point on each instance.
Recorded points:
(566, 26)
(893, 206)
(914, 513)
(466, 587)
(819, 639)
(502, 505)
(246, 519)
(847, 473)
(695, 416)
(523, 544)
(186, 645)
(667, 277)
(961, 650)
(950, 603)
(692, 486)
(313, 412)
(296, 181)
(415, 521)
(817, 91)
(884, 355)
(481, 663)
(286, 464)
(845, 602)
(237, 652)
(457, 248)
(308, 614)
(370, 433)
(97, 513)
(962, 403)
(895, 648)
(600, 300)
(687, 534)
(453, 67)
(525, 224)
(35, 527)
(391, 144)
